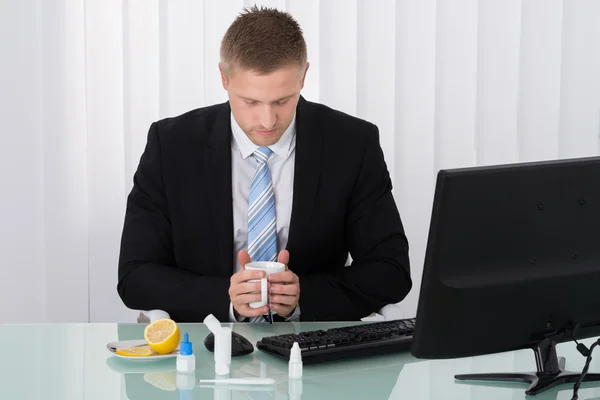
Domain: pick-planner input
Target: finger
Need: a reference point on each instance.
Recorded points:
(246, 275)
(283, 300)
(243, 258)
(246, 287)
(245, 299)
(284, 277)
(284, 258)
(282, 310)
(246, 311)
(290, 290)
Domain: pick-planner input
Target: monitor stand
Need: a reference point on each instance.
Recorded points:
(550, 371)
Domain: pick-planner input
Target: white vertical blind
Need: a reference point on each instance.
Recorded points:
(65, 178)
(184, 59)
(449, 84)
(105, 150)
(141, 61)
(580, 82)
(455, 83)
(217, 17)
(375, 98)
(541, 56)
(307, 14)
(498, 81)
(22, 245)
(414, 133)
(337, 53)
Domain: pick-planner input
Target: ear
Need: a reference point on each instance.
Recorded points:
(304, 74)
(223, 76)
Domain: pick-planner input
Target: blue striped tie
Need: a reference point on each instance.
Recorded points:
(262, 223)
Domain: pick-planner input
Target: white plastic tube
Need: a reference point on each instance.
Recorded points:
(222, 344)
(223, 352)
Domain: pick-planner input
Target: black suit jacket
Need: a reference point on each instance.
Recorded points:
(177, 242)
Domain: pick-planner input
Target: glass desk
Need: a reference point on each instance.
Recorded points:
(71, 361)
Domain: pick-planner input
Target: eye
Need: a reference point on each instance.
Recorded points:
(251, 102)
(281, 102)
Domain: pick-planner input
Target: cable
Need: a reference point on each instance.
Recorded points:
(582, 348)
(586, 353)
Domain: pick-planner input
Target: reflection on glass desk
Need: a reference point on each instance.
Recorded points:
(71, 361)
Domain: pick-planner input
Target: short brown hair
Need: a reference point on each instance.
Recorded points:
(263, 40)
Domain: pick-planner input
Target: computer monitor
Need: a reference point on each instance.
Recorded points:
(512, 262)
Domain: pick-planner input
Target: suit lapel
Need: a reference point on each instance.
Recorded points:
(217, 167)
(307, 170)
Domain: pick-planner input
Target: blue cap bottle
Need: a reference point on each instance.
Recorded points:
(186, 360)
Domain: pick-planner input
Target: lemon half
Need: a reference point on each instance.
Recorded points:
(162, 336)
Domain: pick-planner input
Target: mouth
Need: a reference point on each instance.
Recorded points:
(267, 133)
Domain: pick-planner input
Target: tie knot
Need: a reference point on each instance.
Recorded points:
(262, 154)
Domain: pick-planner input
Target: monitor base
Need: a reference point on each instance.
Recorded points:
(550, 371)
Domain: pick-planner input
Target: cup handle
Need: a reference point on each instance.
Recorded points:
(263, 294)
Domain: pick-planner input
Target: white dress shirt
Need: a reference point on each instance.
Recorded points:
(243, 167)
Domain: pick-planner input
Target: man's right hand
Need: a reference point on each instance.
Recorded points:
(240, 290)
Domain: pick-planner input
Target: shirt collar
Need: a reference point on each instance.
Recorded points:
(283, 147)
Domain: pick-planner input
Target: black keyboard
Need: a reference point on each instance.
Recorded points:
(346, 342)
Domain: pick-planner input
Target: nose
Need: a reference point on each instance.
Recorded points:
(267, 117)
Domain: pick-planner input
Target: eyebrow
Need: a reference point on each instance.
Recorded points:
(274, 101)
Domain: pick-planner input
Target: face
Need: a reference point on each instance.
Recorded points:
(264, 105)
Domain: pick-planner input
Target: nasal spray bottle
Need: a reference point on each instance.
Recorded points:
(186, 360)
(186, 367)
(222, 344)
(295, 373)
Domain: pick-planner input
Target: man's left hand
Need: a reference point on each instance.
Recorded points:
(284, 288)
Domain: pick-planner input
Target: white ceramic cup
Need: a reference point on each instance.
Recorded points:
(270, 267)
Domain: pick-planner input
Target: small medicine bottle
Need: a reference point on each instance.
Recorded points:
(186, 360)
(295, 363)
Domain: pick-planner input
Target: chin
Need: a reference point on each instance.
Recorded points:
(265, 141)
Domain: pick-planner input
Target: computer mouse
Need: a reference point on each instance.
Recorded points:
(240, 346)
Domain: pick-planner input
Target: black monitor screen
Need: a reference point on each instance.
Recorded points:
(513, 258)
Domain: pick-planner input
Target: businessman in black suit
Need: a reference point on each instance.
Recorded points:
(266, 175)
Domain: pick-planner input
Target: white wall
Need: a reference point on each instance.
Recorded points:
(449, 83)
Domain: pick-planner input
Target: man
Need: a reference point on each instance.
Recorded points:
(264, 176)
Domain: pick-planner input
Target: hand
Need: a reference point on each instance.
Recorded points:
(284, 288)
(240, 290)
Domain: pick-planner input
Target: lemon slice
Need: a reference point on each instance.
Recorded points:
(162, 336)
(135, 352)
